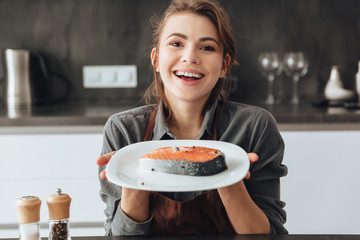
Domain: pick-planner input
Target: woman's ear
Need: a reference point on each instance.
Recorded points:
(154, 59)
(225, 65)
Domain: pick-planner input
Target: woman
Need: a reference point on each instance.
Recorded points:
(193, 52)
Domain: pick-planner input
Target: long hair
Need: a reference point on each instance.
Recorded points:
(217, 15)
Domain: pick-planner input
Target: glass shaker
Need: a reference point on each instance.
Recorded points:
(28, 208)
(59, 214)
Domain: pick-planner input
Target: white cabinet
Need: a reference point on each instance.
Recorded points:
(37, 164)
(321, 190)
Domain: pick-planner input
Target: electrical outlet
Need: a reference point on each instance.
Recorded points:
(115, 76)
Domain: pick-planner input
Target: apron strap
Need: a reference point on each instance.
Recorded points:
(150, 125)
(217, 119)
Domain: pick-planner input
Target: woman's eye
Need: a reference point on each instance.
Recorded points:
(175, 44)
(208, 48)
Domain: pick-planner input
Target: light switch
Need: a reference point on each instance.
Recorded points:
(114, 76)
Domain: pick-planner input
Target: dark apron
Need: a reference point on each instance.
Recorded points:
(204, 214)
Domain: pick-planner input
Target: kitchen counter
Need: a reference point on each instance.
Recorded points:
(68, 114)
(76, 117)
(224, 237)
(80, 115)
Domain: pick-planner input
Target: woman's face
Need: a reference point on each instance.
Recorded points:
(190, 58)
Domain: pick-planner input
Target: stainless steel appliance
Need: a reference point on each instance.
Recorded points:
(27, 81)
(18, 92)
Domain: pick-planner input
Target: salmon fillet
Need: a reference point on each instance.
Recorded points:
(193, 161)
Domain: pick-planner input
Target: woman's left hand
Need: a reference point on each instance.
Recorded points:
(245, 216)
(253, 157)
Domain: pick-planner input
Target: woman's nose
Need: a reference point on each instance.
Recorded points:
(190, 56)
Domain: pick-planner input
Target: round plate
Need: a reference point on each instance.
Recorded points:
(123, 168)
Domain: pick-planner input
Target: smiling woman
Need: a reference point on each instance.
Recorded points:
(193, 51)
(189, 50)
(209, 40)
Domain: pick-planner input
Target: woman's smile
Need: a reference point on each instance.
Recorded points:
(189, 77)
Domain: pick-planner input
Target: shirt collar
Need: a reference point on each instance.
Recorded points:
(207, 125)
(161, 128)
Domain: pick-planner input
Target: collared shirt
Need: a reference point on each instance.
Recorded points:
(252, 128)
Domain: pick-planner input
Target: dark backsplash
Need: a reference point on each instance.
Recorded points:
(74, 33)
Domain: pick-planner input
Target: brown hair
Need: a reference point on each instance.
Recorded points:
(217, 15)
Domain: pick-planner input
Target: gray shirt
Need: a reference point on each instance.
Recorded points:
(252, 128)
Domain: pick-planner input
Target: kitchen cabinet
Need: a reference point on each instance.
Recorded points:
(37, 164)
(320, 190)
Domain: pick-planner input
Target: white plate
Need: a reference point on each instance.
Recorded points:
(123, 168)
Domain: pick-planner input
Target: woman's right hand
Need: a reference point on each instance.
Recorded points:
(102, 161)
(134, 203)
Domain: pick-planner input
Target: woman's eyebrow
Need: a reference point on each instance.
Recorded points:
(203, 39)
(178, 35)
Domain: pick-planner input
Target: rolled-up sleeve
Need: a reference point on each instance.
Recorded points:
(264, 184)
(116, 136)
(117, 222)
(255, 130)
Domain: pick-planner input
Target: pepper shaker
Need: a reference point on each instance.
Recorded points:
(28, 208)
(59, 214)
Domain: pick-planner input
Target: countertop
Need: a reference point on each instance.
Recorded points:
(225, 237)
(96, 114)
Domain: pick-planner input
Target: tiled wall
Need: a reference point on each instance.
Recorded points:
(74, 33)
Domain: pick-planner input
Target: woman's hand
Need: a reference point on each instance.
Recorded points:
(245, 216)
(253, 157)
(134, 203)
(102, 161)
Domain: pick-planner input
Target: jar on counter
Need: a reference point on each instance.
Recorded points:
(28, 209)
(357, 82)
(59, 215)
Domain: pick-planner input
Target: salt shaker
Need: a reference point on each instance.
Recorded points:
(59, 214)
(28, 208)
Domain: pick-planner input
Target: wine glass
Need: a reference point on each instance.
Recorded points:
(270, 66)
(296, 66)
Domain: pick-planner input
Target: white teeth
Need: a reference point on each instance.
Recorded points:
(187, 74)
